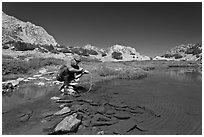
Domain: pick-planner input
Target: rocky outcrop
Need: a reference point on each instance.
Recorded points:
(190, 52)
(123, 53)
(14, 30)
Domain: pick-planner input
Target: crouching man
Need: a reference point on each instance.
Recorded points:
(70, 72)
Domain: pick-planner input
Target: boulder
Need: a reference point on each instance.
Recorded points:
(63, 111)
(68, 124)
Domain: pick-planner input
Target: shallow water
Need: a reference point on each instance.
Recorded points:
(22, 95)
(174, 94)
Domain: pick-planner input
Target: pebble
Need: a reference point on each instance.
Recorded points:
(55, 98)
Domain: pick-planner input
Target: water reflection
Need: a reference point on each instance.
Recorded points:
(22, 95)
(184, 75)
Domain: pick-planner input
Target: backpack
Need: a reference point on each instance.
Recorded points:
(60, 73)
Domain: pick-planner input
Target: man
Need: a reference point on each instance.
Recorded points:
(70, 71)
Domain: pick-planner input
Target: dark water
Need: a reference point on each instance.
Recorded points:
(175, 94)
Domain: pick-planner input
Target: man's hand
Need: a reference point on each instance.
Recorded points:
(86, 72)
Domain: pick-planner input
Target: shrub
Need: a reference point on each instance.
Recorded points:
(65, 50)
(92, 52)
(22, 46)
(82, 51)
(40, 49)
(5, 47)
(166, 55)
(6, 57)
(194, 50)
(177, 56)
(117, 55)
(55, 51)
(14, 66)
(21, 57)
(40, 62)
(103, 54)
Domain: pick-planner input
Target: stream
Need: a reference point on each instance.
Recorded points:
(172, 99)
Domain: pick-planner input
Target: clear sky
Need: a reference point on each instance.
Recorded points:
(151, 28)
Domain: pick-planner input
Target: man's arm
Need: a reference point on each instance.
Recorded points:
(71, 69)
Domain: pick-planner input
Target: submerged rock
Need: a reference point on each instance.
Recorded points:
(102, 123)
(123, 126)
(24, 118)
(99, 117)
(68, 124)
(101, 133)
(122, 115)
(47, 114)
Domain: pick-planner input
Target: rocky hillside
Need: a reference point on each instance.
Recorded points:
(25, 36)
(14, 30)
(190, 52)
(114, 53)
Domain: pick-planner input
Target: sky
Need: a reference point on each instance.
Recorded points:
(151, 28)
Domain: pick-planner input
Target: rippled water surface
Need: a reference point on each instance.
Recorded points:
(175, 94)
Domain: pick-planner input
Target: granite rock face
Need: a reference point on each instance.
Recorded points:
(14, 30)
